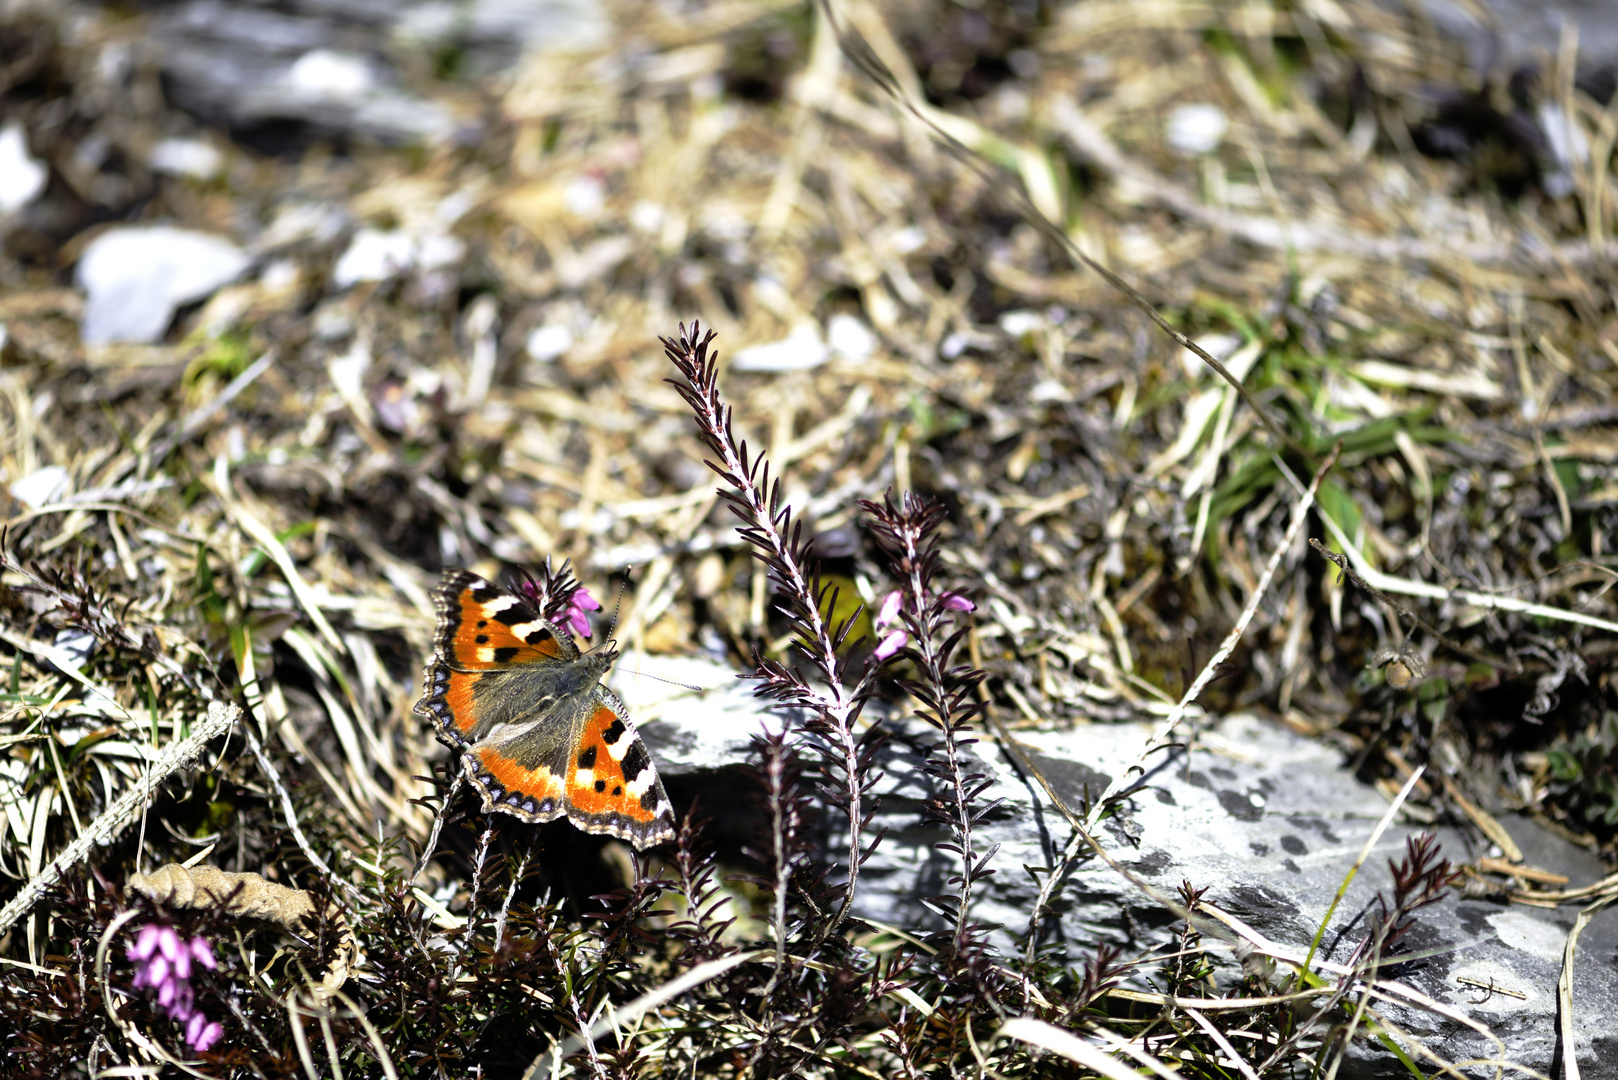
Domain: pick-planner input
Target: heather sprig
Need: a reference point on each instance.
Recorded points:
(832, 705)
(702, 927)
(559, 597)
(1419, 879)
(163, 963)
(789, 877)
(909, 532)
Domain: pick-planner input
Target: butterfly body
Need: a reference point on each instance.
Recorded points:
(540, 737)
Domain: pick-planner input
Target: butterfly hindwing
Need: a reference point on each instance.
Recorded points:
(612, 785)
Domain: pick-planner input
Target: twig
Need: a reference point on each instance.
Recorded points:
(202, 415)
(1344, 570)
(174, 757)
(273, 775)
(1564, 991)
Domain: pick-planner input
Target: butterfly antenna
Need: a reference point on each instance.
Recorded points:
(613, 623)
(668, 682)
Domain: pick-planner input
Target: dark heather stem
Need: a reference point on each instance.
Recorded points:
(765, 527)
(774, 775)
(929, 614)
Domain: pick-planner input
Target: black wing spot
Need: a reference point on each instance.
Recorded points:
(487, 593)
(536, 636)
(617, 792)
(483, 639)
(636, 760)
(613, 732)
(649, 801)
(601, 785)
(482, 623)
(506, 654)
(587, 760)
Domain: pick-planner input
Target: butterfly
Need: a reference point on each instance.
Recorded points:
(541, 737)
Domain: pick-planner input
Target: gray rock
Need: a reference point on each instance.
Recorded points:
(135, 278)
(22, 177)
(1528, 33)
(1269, 821)
(330, 64)
(244, 65)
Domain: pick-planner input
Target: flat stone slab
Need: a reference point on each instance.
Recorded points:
(1269, 821)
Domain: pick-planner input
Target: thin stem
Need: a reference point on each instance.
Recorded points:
(767, 526)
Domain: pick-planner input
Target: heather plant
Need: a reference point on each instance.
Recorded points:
(830, 707)
(163, 964)
(909, 532)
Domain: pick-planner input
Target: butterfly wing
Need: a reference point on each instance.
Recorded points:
(483, 631)
(612, 786)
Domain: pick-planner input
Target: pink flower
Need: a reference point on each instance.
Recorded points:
(891, 644)
(163, 963)
(580, 602)
(201, 1032)
(889, 612)
(888, 615)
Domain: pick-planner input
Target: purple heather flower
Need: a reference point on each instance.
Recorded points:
(573, 616)
(580, 602)
(163, 962)
(891, 644)
(201, 1032)
(890, 609)
(888, 615)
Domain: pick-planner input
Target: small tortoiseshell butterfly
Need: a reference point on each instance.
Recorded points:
(541, 736)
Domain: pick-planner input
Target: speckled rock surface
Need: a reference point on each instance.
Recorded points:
(1268, 820)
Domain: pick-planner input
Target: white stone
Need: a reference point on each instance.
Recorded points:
(186, 157)
(584, 196)
(548, 343)
(647, 217)
(798, 351)
(437, 250)
(1196, 129)
(1018, 323)
(43, 486)
(22, 178)
(850, 338)
(134, 278)
(377, 255)
(327, 73)
(374, 255)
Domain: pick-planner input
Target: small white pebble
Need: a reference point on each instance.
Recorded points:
(21, 177)
(548, 343)
(186, 157)
(1196, 129)
(41, 487)
(850, 338)
(330, 74)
